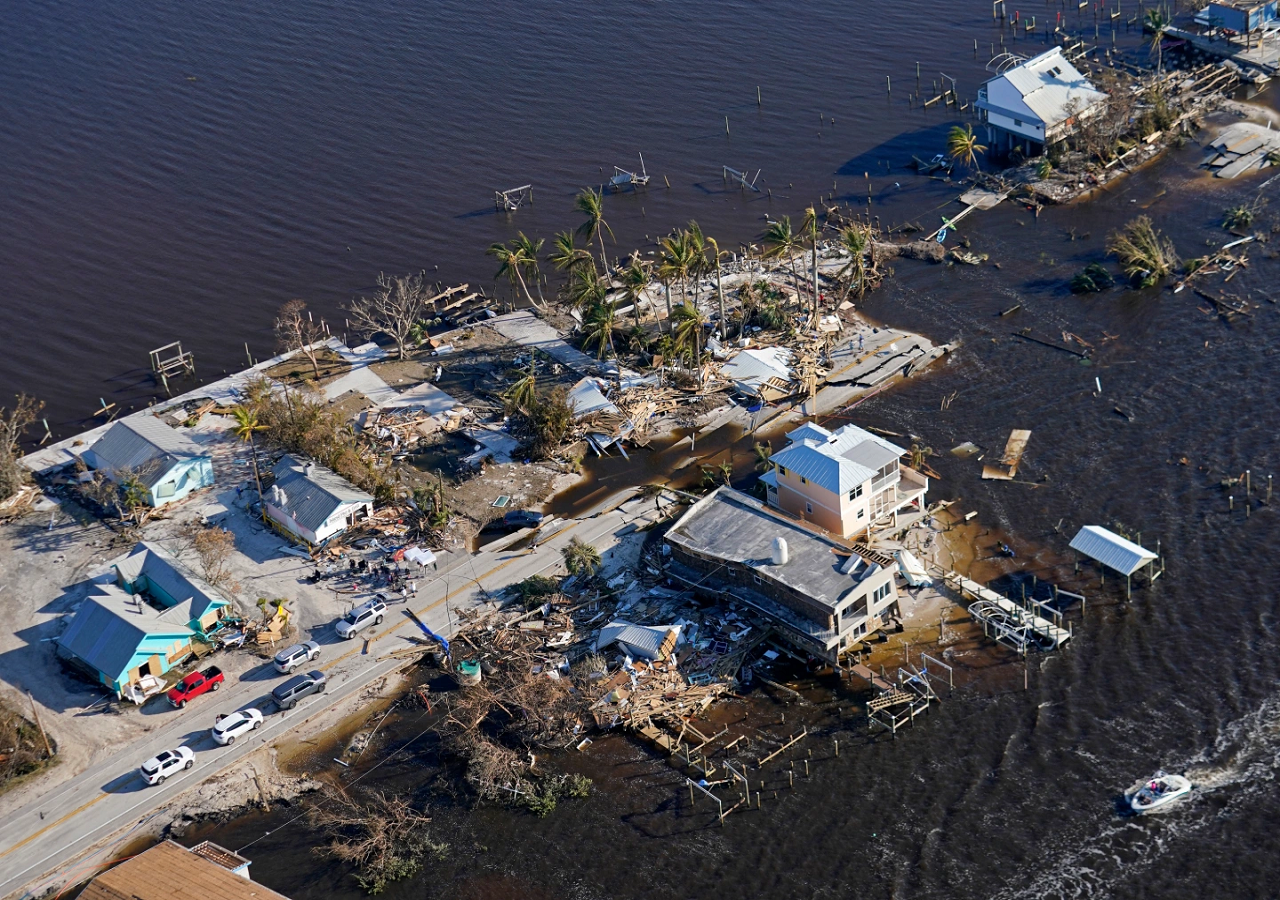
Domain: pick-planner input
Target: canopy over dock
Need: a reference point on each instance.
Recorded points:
(1111, 550)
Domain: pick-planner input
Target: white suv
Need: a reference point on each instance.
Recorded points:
(363, 616)
(163, 764)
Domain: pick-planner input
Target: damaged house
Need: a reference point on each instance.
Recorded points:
(1033, 103)
(844, 481)
(823, 596)
(168, 465)
(312, 502)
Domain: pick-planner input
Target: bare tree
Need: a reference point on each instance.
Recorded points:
(214, 546)
(296, 330)
(13, 424)
(394, 309)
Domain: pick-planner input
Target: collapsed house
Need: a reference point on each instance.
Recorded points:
(822, 595)
(167, 465)
(844, 481)
(137, 626)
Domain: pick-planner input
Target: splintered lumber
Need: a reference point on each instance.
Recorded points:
(1007, 468)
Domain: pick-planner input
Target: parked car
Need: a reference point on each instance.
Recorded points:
(522, 518)
(162, 765)
(288, 694)
(194, 685)
(290, 658)
(227, 728)
(363, 616)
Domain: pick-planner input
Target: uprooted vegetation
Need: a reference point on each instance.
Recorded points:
(384, 838)
(13, 424)
(22, 748)
(1144, 253)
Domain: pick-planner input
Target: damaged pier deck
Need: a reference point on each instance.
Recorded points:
(1006, 621)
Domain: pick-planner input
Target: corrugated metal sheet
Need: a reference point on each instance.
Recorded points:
(809, 432)
(312, 499)
(585, 398)
(1113, 551)
(143, 444)
(638, 640)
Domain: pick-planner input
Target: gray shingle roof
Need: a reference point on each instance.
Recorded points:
(312, 499)
(109, 626)
(143, 444)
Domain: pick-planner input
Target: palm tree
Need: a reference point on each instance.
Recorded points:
(699, 265)
(514, 259)
(591, 204)
(809, 226)
(716, 254)
(854, 240)
(529, 249)
(246, 423)
(523, 395)
(566, 255)
(780, 242)
(585, 288)
(963, 146)
(635, 278)
(581, 558)
(1156, 22)
(675, 263)
(598, 329)
(763, 452)
(689, 323)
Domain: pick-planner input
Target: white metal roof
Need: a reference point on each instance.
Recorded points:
(1051, 87)
(753, 367)
(1113, 551)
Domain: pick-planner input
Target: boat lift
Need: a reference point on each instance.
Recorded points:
(510, 201)
(731, 174)
(623, 178)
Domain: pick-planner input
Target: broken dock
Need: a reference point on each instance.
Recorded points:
(1035, 626)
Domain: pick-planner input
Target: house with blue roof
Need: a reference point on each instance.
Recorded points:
(167, 464)
(144, 622)
(844, 481)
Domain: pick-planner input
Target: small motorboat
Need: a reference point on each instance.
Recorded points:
(1158, 791)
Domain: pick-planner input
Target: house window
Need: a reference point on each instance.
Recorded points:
(808, 507)
(879, 594)
(1017, 122)
(855, 493)
(804, 480)
(164, 490)
(861, 513)
(782, 471)
(756, 579)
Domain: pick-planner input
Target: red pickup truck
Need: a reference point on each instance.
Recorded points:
(194, 685)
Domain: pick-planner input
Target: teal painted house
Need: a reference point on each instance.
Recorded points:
(168, 464)
(145, 623)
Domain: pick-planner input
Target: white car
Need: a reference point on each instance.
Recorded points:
(162, 765)
(228, 728)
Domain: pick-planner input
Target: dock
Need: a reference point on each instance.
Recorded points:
(1009, 623)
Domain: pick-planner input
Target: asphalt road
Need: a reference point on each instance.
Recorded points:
(44, 839)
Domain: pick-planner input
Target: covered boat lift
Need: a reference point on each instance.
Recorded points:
(1116, 553)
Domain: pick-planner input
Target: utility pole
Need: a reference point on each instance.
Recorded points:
(44, 737)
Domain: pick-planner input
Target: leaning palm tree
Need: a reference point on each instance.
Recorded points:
(529, 248)
(635, 278)
(963, 146)
(1145, 254)
(781, 242)
(246, 423)
(522, 396)
(598, 328)
(514, 260)
(591, 204)
(566, 255)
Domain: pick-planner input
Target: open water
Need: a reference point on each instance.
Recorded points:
(177, 171)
